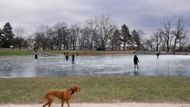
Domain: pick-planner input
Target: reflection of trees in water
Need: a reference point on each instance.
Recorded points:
(54, 70)
(10, 69)
(182, 69)
(181, 73)
(6, 71)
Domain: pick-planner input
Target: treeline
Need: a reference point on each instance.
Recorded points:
(8, 39)
(100, 33)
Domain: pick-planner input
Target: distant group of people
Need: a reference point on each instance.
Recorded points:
(72, 57)
(35, 50)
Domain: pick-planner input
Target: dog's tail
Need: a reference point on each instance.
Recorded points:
(42, 100)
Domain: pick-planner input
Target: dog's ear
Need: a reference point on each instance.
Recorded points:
(76, 88)
(70, 88)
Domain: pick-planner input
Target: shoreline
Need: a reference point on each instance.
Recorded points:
(103, 105)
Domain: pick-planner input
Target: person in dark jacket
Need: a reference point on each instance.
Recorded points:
(73, 58)
(136, 61)
(67, 56)
(36, 53)
(158, 54)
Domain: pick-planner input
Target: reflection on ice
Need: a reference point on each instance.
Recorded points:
(149, 65)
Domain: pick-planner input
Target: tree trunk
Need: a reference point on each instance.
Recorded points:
(174, 45)
(124, 46)
(157, 47)
(73, 45)
(168, 48)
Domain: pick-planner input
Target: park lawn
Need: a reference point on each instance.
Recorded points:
(22, 52)
(88, 52)
(16, 51)
(98, 89)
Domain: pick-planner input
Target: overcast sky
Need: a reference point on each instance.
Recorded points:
(137, 14)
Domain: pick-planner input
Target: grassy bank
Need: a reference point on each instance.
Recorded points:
(84, 53)
(99, 89)
(22, 52)
(11, 52)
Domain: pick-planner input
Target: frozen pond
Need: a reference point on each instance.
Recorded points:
(166, 65)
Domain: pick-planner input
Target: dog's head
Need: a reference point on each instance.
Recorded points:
(76, 88)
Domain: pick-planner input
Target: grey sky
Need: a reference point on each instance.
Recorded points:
(137, 14)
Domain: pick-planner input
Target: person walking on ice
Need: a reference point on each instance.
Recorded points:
(67, 56)
(73, 58)
(158, 54)
(35, 54)
(136, 61)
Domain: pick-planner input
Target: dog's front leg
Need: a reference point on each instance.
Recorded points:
(62, 103)
(68, 103)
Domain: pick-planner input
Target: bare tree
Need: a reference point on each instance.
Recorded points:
(74, 34)
(61, 36)
(157, 38)
(30, 41)
(41, 40)
(183, 41)
(149, 44)
(51, 33)
(19, 40)
(101, 28)
(91, 27)
(178, 32)
(85, 39)
(19, 31)
(167, 26)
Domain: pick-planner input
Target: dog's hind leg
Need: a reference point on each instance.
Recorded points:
(49, 102)
(45, 104)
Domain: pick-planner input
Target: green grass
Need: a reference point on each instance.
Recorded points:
(98, 89)
(22, 52)
(88, 52)
(11, 52)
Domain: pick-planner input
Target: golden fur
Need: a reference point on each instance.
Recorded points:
(62, 94)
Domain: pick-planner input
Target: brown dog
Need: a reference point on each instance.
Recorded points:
(62, 94)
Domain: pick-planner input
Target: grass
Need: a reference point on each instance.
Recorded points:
(11, 52)
(98, 89)
(87, 52)
(22, 52)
